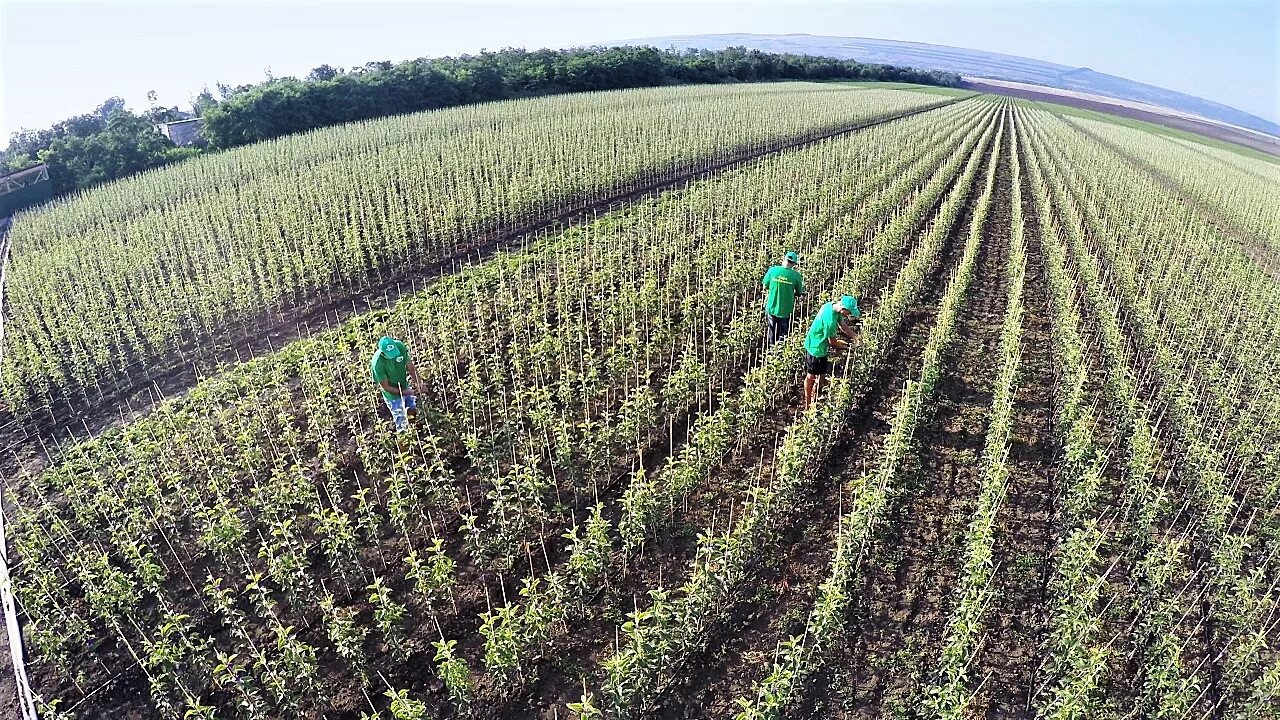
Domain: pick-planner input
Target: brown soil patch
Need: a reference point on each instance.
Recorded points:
(1007, 662)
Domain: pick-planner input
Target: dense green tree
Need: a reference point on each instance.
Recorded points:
(201, 103)
(323, 72)
(127, 144)
(279, 107)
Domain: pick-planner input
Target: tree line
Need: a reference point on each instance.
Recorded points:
(106, 143)
(113, 141)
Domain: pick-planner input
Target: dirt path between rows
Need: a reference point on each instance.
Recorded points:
(1006, 663)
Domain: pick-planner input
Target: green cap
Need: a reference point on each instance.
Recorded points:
(793, 257)
(388, 348)
(850, 303)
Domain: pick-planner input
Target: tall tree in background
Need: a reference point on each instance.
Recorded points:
(201, 103)
(127, 144)
(324, 72)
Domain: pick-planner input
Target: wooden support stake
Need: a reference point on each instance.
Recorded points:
(16, 654)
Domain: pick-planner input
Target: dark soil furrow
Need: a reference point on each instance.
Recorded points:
(1113, 564)
(1006, 663)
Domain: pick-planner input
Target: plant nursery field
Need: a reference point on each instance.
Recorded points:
(1044, 481)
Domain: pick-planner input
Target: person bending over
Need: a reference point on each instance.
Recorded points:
(831, 329)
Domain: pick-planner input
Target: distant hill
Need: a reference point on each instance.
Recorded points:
(971, 62)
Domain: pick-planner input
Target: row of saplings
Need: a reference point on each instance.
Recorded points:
(833, 328)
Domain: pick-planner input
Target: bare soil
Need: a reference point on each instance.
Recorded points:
(1006, 664)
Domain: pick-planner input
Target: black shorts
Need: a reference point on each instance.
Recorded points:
(816, 365)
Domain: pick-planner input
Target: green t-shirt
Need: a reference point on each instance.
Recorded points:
(395, 371)
(824, 327)
(783, 284)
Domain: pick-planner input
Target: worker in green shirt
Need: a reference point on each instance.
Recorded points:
(392, 369)
(782, 285)
(832, 322)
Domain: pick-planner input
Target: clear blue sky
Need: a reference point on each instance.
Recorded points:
(64, 58)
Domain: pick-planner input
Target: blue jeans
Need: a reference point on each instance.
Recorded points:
(778, 327)
(399, 408)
